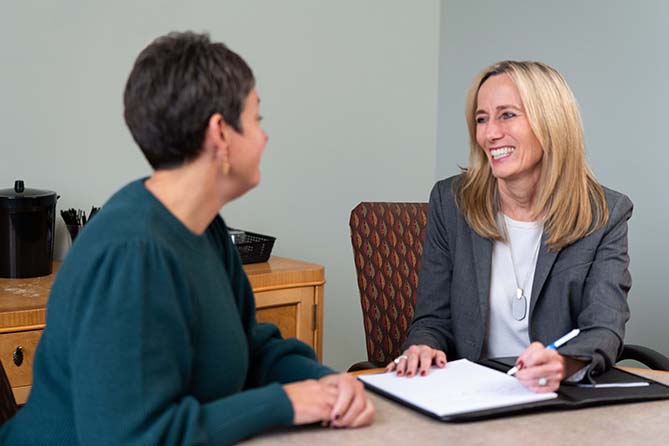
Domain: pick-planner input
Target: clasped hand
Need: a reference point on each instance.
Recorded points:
(336, 400)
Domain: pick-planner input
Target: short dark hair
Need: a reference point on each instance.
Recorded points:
(177, 83)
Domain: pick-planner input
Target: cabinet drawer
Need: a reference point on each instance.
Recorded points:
(289, 309)
(19, 375)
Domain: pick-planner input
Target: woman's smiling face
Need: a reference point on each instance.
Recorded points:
(504, 132)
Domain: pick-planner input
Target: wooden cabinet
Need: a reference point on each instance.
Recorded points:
(289, 293)
(22, 315)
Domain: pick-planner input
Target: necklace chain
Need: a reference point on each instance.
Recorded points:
(521, 290)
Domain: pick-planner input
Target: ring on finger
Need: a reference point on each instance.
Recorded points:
(542, 382)
(399, 358)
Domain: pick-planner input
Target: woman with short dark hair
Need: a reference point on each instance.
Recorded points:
(151, 337)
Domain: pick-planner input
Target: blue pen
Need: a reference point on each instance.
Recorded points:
(553, 345)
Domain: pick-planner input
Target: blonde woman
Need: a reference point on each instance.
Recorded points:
(525, 245)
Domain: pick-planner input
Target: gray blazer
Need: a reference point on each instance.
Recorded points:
(584, 286)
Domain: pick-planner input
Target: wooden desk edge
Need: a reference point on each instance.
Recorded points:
(367, 372)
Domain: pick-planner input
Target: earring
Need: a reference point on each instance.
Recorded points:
(226, 167)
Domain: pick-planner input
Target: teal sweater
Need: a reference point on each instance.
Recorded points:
(151, 339)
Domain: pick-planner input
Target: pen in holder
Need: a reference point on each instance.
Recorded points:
(75, 219)
(73, 230)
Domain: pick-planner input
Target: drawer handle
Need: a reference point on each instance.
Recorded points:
(17, 356)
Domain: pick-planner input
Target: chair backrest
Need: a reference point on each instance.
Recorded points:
(387, 243)
(8, 405)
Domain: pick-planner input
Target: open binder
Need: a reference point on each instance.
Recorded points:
(569, 396)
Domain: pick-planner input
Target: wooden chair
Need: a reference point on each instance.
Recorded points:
(387, 243)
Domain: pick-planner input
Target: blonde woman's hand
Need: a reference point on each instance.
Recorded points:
(542, 369)
(417, 359)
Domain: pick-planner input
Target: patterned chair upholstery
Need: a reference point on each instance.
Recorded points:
(7, 402)
(387, 243)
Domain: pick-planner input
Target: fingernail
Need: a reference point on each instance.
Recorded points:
(423, 373)
(399, 373)
(336, 417)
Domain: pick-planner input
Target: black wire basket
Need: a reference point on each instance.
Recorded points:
(252, 247)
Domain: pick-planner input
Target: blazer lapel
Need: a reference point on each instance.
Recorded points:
(544, 264)
(482, 249)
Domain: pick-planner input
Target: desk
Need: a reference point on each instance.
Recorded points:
(617, 425)
(288, 293)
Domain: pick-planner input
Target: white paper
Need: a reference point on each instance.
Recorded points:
(461, 387)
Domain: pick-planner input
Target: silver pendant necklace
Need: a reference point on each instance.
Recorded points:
(519, 301)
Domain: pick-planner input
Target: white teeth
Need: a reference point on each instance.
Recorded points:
(502, 151)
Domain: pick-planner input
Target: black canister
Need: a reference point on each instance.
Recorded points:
(27, 224)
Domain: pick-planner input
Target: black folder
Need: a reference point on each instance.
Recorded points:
(570, 396)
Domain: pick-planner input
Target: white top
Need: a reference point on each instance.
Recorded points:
(507, 336)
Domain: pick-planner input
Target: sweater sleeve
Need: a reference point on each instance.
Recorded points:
(272, 358)
(131, 355)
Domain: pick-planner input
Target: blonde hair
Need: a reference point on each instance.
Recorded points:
(569, 199)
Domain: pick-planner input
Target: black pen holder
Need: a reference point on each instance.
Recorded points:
(73, 230)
